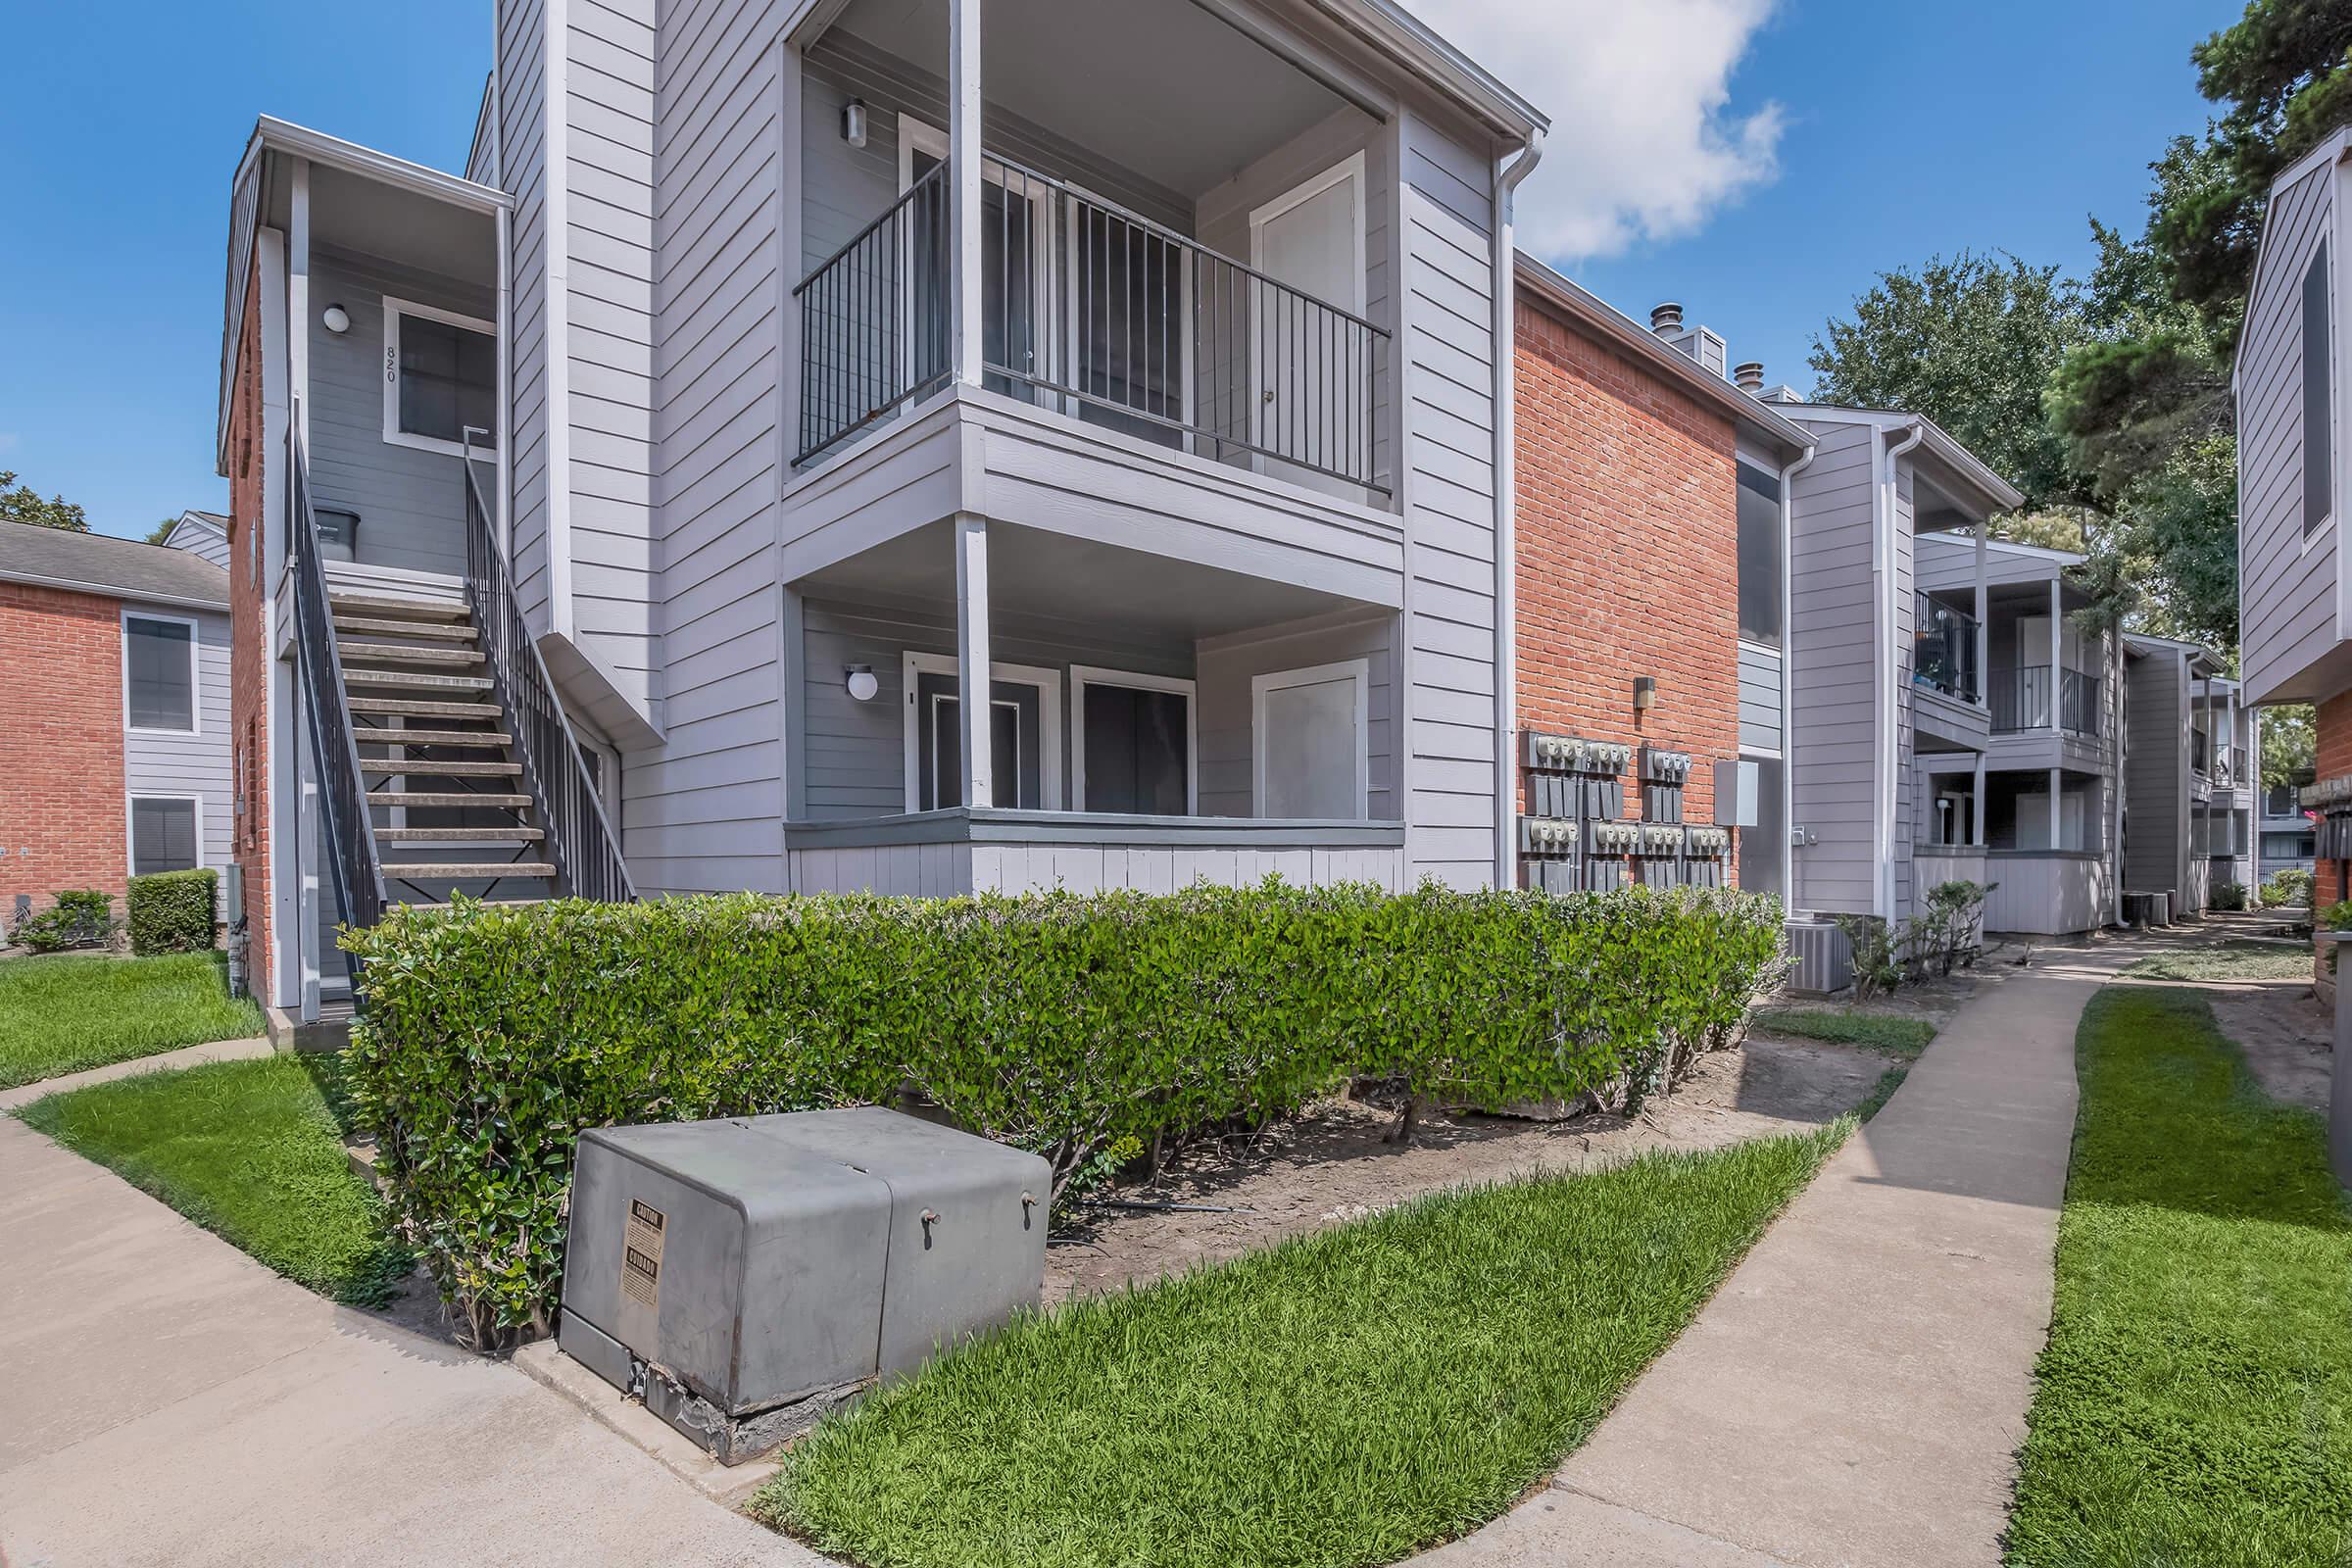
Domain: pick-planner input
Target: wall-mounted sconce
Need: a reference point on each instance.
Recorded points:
(853, 121)
(1645, 693)
(337, 319)
(862, 683)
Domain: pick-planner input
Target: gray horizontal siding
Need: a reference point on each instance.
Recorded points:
(1832, 656)
(1759, 699)
(201, 764)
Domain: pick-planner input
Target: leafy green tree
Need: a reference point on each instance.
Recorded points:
(2289, 746)
(21, 502)
(1971, 342)
(161, 530)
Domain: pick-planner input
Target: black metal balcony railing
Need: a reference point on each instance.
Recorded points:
(1944, 649)
(1097, 312)
(580, 841)
(353, 871)
(2021, 700)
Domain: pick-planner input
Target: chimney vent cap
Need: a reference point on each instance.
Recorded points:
(1748, 377)
(1666, 319)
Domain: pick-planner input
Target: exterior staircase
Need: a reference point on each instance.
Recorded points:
(445, 800)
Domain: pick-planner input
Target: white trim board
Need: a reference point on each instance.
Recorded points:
(1358, 669)
(195, 672)
(1049, 720)
(1084, 676)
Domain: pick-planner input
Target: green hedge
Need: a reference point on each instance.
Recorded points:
(172, 911)
(1074, 1026)
(82, 918)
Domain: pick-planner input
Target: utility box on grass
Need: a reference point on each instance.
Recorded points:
(746, 1276)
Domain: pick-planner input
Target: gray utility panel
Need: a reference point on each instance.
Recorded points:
(730, 1268)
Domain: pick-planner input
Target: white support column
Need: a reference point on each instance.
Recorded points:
(971, 658)
(2057, 816)
(2057, 645)
(963, 185)
(298, 299)
(1983, 626)
(1976, 806)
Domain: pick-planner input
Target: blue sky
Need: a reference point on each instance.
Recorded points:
(1902, 131)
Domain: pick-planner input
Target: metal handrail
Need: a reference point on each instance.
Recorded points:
(353, 867)
(1943, 649)
(2022, 700)
(1124, 322)
(580, 841)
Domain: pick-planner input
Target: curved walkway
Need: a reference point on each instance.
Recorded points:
(1857, 1391)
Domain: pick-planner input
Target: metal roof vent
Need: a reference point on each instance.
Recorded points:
(1748, 377)
(1666, 319)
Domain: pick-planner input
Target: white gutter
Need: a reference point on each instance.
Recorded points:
(1507, 518)
(301, 141)
(1882, 566)
(1789, 475)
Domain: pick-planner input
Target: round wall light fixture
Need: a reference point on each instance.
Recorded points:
(337, 319)
(862, 683)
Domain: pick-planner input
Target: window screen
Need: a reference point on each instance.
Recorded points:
(448, 380)
(160, 655)
(1759, 557)
(163, 836)
(2318, 445)
(1138, 745)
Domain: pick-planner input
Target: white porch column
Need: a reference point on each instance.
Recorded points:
(971, 658)
(1983, 626)
(2057, 660)
(1976, 806)
(963, 185)
(2057, 816)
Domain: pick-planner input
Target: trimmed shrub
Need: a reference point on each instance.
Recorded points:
(172, 911)
(1069, 1025)
(2228, 896)
(82, 918)
(2288, 886)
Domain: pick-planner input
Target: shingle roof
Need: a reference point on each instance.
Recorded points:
(99, 564)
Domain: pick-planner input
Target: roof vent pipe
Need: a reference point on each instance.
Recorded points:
(1666, 319)
(1748, 377)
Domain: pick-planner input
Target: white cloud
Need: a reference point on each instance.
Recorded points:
(1644, 144)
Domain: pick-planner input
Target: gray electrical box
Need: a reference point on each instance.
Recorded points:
(1736, 787)
(745, 1276)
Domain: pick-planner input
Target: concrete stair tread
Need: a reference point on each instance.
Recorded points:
(420, 708)
(380, 652)
(439, 769)
(377, 605)
(416, 679)
(446, 798)
(472, 739)
(462, 835)
(465, 870)
(439, 631)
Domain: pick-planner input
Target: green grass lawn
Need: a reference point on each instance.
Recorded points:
(2194, 1404)
(1340, 1399)
(63, 1015)
(2231, 961)
(250, 1150)
(1900, 1036)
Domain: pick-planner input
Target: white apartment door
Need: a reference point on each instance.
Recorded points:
(1310, 366)
(2039, 663)
(1309, 736)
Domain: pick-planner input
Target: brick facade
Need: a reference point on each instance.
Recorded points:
(2331, 758)
(62, 801)
(248, 665)
(1628, 554)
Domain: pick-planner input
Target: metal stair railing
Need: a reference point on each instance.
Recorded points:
(352, 864)
(580, 841)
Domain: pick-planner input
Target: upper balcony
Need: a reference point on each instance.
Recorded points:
(1151, 253)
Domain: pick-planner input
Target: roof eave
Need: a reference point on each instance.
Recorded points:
(300, 141)
(1413, 43)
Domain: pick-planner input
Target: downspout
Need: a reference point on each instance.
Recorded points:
(1788, 473)
(1507, 518)
(1883, 674)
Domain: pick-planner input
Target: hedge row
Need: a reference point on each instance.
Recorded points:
(172, 911)
(1070, 1025)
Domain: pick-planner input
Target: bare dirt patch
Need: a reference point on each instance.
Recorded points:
(2288, 1036)
(1332, 1164)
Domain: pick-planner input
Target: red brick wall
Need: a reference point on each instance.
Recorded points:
(61, 745)
(2332, 759)
(248, 668)
(1628, 522)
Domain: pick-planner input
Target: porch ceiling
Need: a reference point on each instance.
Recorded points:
(1034, 573)
(1167, 90)
(352, 212)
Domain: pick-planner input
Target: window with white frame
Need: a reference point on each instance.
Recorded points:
(158, 673)
(1309, 739)
(440, 377)
(1132, 743)
(164, 834)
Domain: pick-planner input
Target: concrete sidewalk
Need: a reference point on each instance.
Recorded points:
(1857, 1391)
(167, 1401)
